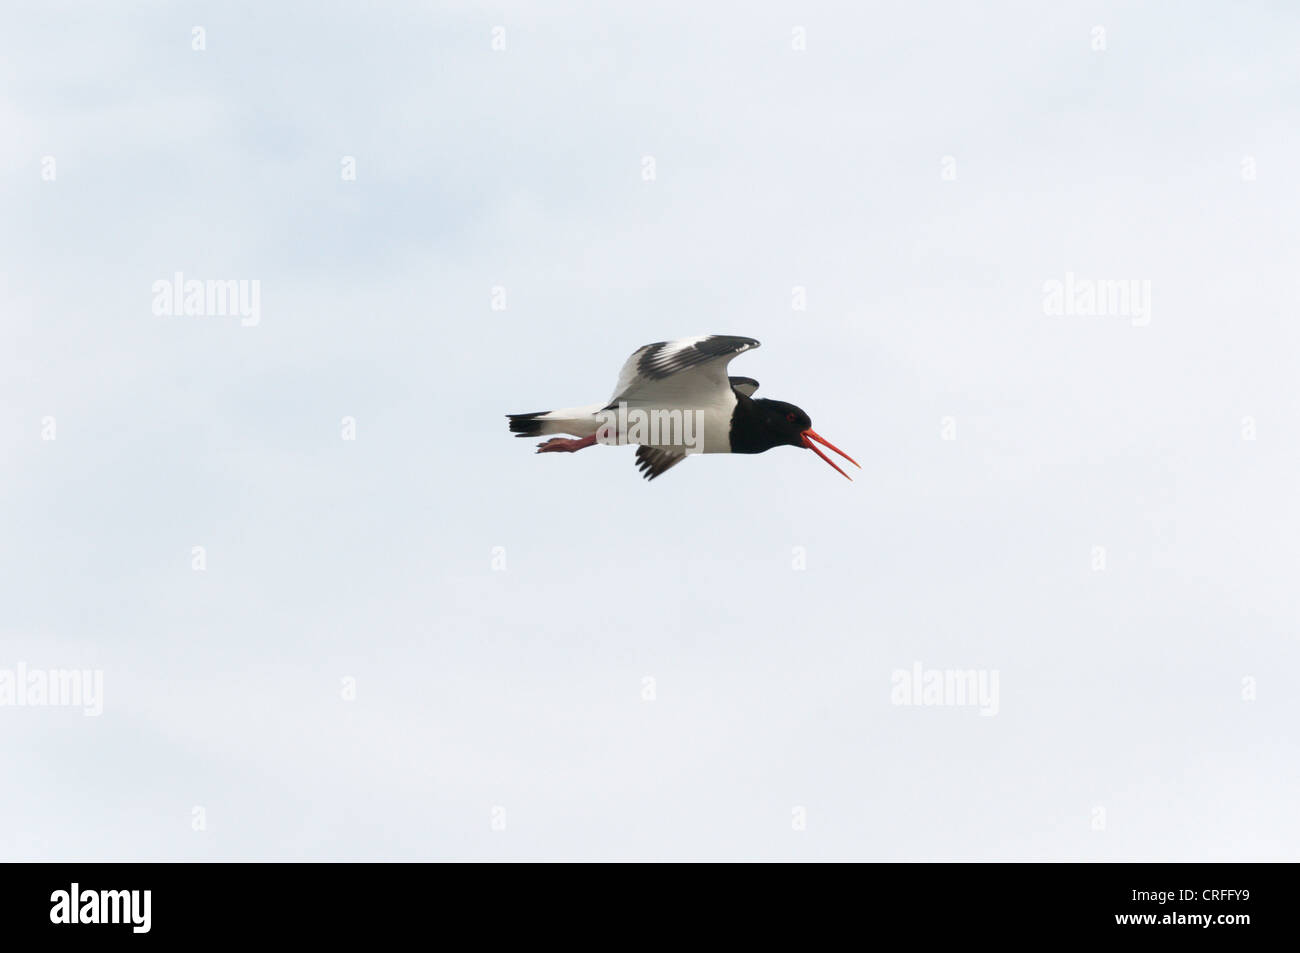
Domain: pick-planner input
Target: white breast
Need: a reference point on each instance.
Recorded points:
(705, 424)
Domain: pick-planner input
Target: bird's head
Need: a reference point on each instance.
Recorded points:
(783, 424)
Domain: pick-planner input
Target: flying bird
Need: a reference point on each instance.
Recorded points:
(674, 399)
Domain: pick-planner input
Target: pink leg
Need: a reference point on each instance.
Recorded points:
(565, 444)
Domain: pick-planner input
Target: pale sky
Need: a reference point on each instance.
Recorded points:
(922, 172)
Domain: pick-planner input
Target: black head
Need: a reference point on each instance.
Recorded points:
(758, 425)
(774, 423)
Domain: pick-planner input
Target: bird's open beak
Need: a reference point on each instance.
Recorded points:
(810, 435)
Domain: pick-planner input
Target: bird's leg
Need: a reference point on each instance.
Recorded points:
(565, 444)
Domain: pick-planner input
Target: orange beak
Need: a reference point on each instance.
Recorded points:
(810, 435)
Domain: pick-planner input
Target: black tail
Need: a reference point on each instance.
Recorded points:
(526, 425)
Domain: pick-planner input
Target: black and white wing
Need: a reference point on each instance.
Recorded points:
(744, 385)
(652, 461)
(660, 371)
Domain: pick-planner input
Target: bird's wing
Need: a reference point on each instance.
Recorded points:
(672, 369)
(744, 385)
(652, 461)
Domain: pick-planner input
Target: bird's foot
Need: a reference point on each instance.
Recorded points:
(565, 444)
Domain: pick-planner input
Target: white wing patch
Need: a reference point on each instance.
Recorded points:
(706, 356)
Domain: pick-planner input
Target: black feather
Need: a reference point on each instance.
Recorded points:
(657, 363)
(652, 461)
(526, 425)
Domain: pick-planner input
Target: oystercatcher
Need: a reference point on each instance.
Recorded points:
(673, 399)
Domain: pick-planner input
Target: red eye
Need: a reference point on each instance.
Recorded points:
(790, 417)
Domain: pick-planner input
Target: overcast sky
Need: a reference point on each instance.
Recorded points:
(429, 643)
